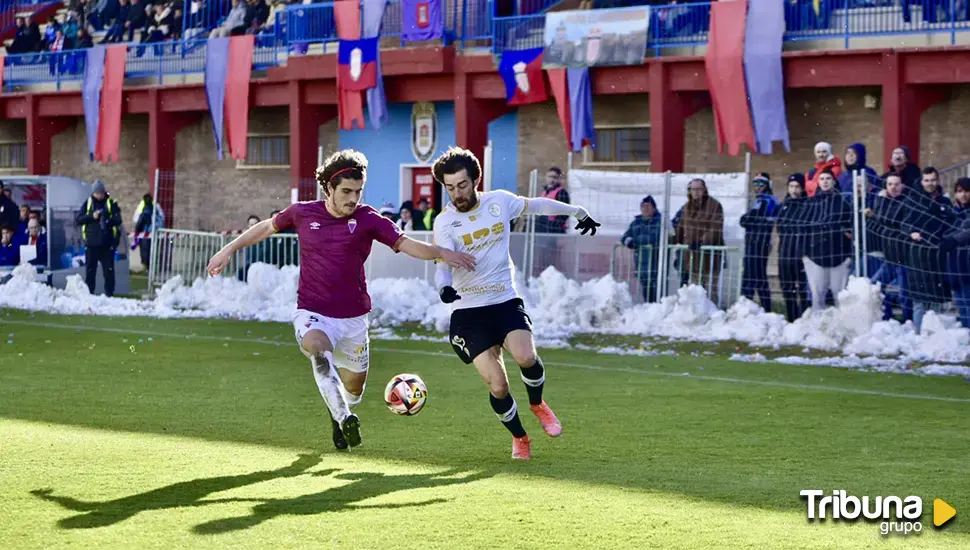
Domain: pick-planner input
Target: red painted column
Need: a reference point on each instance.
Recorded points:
(305, 122)
(40, 132)
(902, 108)
(669, 111)
(163, 127)
(472, 115)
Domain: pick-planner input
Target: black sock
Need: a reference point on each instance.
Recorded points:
(534, 378)
(508, 413)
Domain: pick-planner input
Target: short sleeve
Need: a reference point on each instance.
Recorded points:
(441, 235)
(287, 219)
(384, 230)
(514, 204)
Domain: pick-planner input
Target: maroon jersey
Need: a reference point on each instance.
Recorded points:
(332, 255)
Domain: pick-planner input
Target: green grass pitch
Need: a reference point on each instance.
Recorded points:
(141, 433)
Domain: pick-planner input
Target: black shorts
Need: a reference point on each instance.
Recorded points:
(475, 330)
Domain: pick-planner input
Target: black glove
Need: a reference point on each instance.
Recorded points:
(587, 224)
(448, 294)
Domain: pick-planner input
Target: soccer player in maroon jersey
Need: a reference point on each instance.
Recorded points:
(332, 301)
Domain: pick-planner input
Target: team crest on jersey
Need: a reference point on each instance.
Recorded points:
(472, 218)
(352, 225)
(314, 225)
(495, 210)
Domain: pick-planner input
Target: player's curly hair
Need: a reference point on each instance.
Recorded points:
(344, 164)
(454, 160)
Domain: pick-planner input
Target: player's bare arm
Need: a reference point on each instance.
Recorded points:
(259, 232)
(425, 251)
(541, 206)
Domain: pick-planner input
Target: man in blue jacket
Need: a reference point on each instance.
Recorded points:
(9, 252)
(643, 236)
(758, 224)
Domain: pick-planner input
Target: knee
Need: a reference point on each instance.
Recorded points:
(525, 358)
(499, 388)
(355, 387)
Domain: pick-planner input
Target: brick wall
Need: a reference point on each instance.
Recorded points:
(944, 133)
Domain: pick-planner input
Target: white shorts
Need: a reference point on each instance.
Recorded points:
(350, 338)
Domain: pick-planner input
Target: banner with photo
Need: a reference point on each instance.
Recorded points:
(591, 38)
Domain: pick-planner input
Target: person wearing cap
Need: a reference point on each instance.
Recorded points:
(100, 220)
(824, 160)
(758, 223)
(792, 235)
(643, 236)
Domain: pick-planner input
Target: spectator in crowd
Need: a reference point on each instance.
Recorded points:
(758, 223)
(147, 216)
(930, 215)
(158, 27)
(855, 160)
(235, 23)
(643, 236)
(116, 29)
(24, 219)
(885, 235)
(9, 213)
(103, 13)
(100, 220)
(828, 254)
(70, 28)
(702, 224)
(956, 245)
(137, 19)
(792, 234)
(407, 220)
(55, 47)
(426, 213)
(824, 160)
(23, 39)
(9, 252)
(387, 211)
(553, 189)
(257, 12)
(252, 254)
(34, 38)
(899, 164)
(38, 240)
(83, 41)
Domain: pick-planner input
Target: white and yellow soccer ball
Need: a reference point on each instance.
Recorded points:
(406, 394)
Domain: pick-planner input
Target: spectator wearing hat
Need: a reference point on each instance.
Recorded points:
(643, 236)
(100, 220)
(956, 245)
(824, 160)
(828, 254)
(758, 223)
(792, 235)
(407, 220)
(855, 161)
(899, 163)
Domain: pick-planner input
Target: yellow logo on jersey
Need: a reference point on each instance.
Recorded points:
(469, 238)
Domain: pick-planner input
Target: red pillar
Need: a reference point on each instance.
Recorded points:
(902, 108)
(40, 132)
(669, 111)
(163, 127)
(305, 122)
(473, 114)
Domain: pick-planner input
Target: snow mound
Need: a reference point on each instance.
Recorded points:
(559, 307)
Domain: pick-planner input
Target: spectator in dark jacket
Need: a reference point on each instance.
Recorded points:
(956, 244)
(929, 218)
(9, 213)
(9, 252)
(34, 38)
(899, 164)
(38, 240)
(100, 220)
(792, 235)
(829, 245)
(117, 29)
(885, 235)
(22, 42)
(643, 236)
(855, 160)
(136, 20)
(758, 223)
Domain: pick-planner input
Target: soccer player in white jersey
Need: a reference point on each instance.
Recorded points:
(487, 312)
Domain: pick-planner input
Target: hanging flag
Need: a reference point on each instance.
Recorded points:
(91, 94)
(763, 73)
(522, 72)
(239, 70)
(371, 28)
(560, 90)
(216, 65)
(421, 20)
(581, 108)
(724, 65)
(357, 64)
(109, 121)
(350, 104)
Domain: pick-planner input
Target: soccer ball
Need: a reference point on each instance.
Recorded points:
(406, 394)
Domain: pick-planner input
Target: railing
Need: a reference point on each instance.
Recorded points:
(950, 175)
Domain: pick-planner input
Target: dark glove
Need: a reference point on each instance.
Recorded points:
(448, 294)
(586, 225)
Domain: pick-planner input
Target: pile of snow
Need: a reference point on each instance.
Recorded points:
(558, 306)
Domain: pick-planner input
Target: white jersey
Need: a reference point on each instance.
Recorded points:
(484, 233)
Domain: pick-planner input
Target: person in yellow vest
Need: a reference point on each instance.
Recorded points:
(100, 221)
(426, 213)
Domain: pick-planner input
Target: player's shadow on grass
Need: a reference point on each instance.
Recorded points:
(365, 485)
(177, 495)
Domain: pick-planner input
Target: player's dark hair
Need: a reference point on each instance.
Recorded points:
(963, 183)
(344, 164)
(454, 160)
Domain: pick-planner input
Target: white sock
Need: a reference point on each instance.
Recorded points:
(330, 386)
(352, 399)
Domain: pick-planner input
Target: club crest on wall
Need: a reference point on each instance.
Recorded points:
(424, 131)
